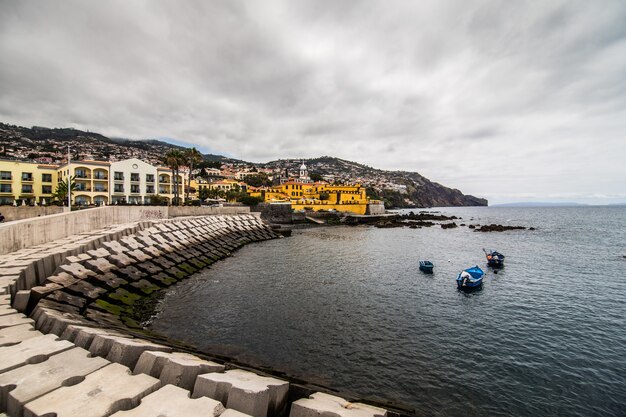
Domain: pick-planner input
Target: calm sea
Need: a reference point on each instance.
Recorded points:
(348, 307)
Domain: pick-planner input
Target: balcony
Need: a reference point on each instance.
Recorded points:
(82, 176)
(101, 190)
(134, 178)
(27, 178)
(100, 177)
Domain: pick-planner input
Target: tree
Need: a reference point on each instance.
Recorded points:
(192, 157)
(249, 200)
(60, 192)
(258, 180)
(174, 159)
(316, 177)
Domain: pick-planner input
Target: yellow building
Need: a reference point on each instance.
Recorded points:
(92, 181)
(318, 196)
(26, 182)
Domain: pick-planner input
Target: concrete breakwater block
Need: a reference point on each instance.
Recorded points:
(102, 393)
(244, 391)
(180, 369)
(83, 336)
(14, 320)
(33, 381)
(127, 351)
(15, 334)
(33, 350)
(325, 405)
(171, 401)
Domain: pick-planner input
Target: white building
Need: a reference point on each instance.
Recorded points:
(136, 182)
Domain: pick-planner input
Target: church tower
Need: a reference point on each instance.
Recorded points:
(304, 173)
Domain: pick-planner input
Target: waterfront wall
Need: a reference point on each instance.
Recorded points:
(35, 231)
(11, 213)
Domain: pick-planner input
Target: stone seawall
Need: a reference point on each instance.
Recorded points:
(27, 233)
(78, 350)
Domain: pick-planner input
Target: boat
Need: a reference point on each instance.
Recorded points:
(426, 267)
(494, 258)
(470, 278)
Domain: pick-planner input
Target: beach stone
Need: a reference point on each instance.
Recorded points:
(132, 273)
(15, 334)
(14, 319)
(33, 381)
(102, 393)
(171, 401)
(244, 391)
(33, 350)
(149, 267)
(324, 405)
(163, 263)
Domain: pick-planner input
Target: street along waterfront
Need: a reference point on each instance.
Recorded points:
(348, 307)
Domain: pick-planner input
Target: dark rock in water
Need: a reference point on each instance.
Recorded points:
(413, 226)
(462, 224)
(531, 228)
(449, 225)
(471, 226)
(498, 228)
(386, 224)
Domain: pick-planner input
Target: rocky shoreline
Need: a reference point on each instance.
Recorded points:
(429, 219)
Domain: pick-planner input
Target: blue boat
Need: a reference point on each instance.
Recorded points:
(426, 267)
(494, 259)
(470, 278)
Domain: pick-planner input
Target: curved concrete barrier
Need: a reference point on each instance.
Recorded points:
(78, 354)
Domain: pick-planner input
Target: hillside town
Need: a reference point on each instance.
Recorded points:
(212, 176)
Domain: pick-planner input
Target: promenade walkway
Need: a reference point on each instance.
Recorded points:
(69, 345)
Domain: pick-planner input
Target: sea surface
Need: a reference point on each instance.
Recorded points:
(347, 307)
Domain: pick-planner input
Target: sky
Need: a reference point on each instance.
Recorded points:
(507, 100)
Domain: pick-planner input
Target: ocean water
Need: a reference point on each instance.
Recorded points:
(347, 307)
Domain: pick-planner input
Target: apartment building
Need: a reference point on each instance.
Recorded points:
(26, 182)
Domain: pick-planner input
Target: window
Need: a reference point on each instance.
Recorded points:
(163, 178)
(46, 189)
(5, 188)
(81, 186)
(80, 173)
(118, 188)
(27, 189)
(134, 188)
(99, 175)
(134, 177)
(46, 177)
(27, 176)
(5, 175)
(149, 177)
(118, 176)
(150, 189)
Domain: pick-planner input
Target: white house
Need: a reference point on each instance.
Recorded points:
(136, 182)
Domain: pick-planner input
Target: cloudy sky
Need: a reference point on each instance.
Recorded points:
(508, 100)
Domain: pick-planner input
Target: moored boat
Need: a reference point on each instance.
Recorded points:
(494, 258)
(470, 278)
(426, 267)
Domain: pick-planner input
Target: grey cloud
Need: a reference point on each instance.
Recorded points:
(422, 85)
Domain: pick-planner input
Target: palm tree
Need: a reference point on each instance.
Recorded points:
(174, 159)
(61, 191)
(192, 156)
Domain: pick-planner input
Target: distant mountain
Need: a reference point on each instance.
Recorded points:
(51, 144)
(540, 204)
(397, 188)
